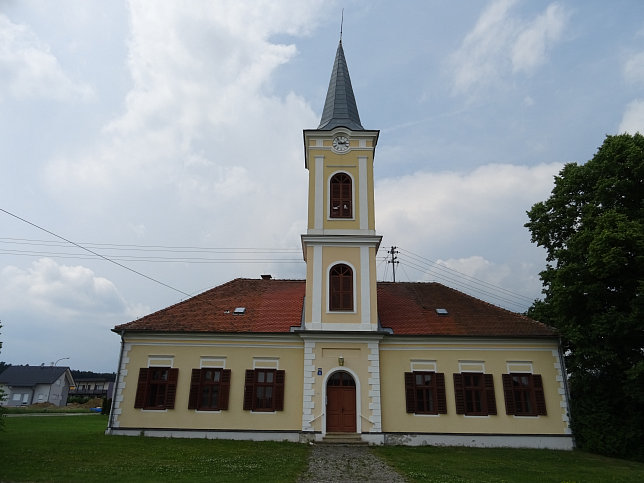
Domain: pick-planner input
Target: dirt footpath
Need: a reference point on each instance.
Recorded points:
(347, 463)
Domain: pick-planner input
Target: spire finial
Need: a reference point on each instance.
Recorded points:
(341, 23)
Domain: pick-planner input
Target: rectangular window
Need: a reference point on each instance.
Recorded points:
(264, 390)
(474, 394)
(425, 392)
(209, 389)
(523, 394)
(157, 388)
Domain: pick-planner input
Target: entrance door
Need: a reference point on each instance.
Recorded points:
(341, 403)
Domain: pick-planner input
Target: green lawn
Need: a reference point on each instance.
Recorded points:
(74, 448)
(444, 464)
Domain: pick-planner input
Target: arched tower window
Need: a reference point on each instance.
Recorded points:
(341, 196)
(341, 287)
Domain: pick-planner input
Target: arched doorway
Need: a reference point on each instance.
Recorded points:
(341, 403)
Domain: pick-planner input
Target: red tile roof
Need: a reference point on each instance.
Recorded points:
(271, 306)
(410, 309)
(274, 306)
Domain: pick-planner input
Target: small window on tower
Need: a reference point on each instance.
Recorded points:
(341, 196)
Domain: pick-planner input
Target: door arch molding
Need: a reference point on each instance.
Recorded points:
(325, 381)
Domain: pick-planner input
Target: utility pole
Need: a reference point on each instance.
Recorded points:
(394, 260)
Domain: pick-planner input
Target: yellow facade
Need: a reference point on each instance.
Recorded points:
(323, 163)
(377, 363)
(351, 241)
(235, 353)
(488, 356)
(347, 342)
(331, 356)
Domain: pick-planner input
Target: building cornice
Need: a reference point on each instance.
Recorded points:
(340, 240)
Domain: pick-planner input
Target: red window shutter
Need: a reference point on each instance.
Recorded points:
(508, 394)
(489, 394)
(537, 382)
(279, 390)
(458, 394)
(141, 388)
(171, 393)
(195, 380)
(249, 389)
(224, 389)
(410, 393)
(440, 393)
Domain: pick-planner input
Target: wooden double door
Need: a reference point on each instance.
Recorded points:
(341, 403)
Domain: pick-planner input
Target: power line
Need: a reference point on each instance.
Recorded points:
(151, 259)
(164, 248)
(474, 280)
(394, 261)
(96, 254)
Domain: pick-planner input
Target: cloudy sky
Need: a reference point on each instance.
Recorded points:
(166, 137)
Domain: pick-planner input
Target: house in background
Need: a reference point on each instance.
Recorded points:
(339, 355)
(25, 385)
(93, 387)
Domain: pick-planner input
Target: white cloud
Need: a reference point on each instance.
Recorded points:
(473, 220)
(634, 68)
(449, 205)
(478, 267)
(501, 44)
(28, 69)
(482, 51)
(531, 47)
(633, 118)
(61, 292)
(201, 131)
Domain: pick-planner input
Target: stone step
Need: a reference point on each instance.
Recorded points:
(343, 438)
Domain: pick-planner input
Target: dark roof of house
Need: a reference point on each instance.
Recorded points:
(340, 108)
(28, 376)
(275, 306)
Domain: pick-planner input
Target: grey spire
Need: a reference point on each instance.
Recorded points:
(340, 107)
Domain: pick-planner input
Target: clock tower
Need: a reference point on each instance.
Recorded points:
(340, 243)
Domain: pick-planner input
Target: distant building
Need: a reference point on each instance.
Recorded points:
(93, 387)
(25, 385)
(340, 355)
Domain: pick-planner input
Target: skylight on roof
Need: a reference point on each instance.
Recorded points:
(239, 311)
(442, 311)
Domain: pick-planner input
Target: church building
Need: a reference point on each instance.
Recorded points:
(340, 356)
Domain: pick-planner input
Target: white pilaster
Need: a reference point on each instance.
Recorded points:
(316, 309)
(363, 185)
(365, 286)
(308, 400)
(374, 387)
(319, 193)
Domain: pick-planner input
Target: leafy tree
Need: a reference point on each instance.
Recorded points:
(592, 227)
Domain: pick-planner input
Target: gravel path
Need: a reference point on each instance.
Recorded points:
(347, 463)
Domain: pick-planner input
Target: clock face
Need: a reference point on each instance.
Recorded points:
(341, 143)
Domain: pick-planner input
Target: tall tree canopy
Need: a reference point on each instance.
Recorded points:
(592, 227)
